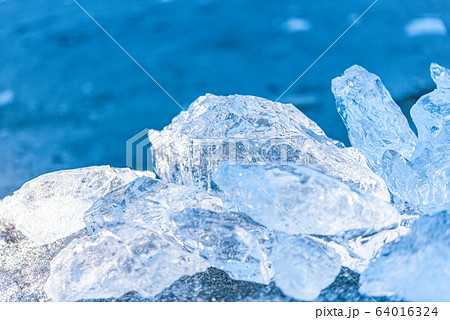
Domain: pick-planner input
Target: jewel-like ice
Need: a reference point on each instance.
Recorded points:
(415, 171)
(357, 249)
(247, 129)
(416, 267)
(246, 250)
(51, 206)
(103, 265)
(300, 200)
(302, 266)
(144, 204)
(424, 181)
(229, 241)
(374, 121)
(431, 113)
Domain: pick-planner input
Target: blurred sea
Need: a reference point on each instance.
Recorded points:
(69, 97)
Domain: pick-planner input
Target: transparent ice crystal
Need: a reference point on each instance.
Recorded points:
(416, 267)
(374, 121)
(230, 241)
(52, 206)
(185, 231)
(247, 129)
(103, 266)
(300, 200)
(431, 113)
(144, 204)
(416, 171)
(246, 250)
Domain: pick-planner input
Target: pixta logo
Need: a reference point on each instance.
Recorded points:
(139, 153)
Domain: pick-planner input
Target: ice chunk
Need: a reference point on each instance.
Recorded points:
(296, 199)
(302, 267)
(246, 250)
(229, 241)
(431, 113)
(51, 206)
(143, 204)
(247, 129)
(416, 172)
(423, 182)
(416, 267)
(374, 121)
(103, 266)
(426, 26)
(357, 249)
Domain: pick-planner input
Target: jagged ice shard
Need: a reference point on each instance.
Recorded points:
(247, 129)
(300, 200)
(246, 250)
(51, 206)
(103, 266)
(416, 171)
(145, 204)
(374, 121)
(416, 267)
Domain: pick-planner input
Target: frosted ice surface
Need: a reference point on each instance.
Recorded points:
(416, 267)
(431, 113)
(51, 206)
(296, 199)
(247, 129)
(248, 251)
(102, 266)
(374, 121)
(143, 204)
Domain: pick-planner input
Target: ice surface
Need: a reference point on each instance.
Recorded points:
(303, 267)
(358, 248)
(144, 204)
(415, 171)
(247, 129)
(246, 250)
(229, 241)
(415, 268)
(431, 113)
(374, 122)
(423, 182)
(103, 266)
(300, 200)
(51, 206)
